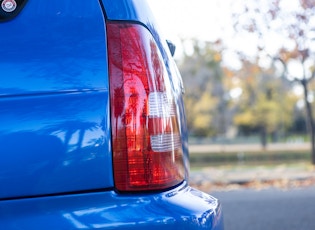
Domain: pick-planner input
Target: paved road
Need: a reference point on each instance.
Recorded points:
(270, 209)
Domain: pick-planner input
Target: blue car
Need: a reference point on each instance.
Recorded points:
(92, 123)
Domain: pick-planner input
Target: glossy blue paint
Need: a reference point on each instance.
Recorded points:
(54, 100)
(54, 143)
(181, 208)
(54, 46)
(55, 129)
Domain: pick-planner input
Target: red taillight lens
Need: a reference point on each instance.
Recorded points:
(147, 149)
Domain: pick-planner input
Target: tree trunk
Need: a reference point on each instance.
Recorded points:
(310, 120)
(263, 137)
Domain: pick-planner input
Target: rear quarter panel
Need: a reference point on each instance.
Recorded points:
(54, 101)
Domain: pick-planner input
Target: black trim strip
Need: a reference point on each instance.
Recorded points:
(40, 94)
(59, 194)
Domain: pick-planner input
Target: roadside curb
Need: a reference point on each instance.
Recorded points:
(230, 178)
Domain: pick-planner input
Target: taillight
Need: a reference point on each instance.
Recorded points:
(147, 148)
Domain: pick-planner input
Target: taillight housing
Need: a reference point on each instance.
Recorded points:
(147, 148)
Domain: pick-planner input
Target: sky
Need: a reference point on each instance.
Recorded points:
(206, 20)
(191, 18)
(210, 20)
(186, 19)
(203, 19)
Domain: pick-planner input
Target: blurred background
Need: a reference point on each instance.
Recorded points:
(249, 69)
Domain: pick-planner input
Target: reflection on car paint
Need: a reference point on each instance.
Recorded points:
(57, 148)
(109, 209)
(53, 49)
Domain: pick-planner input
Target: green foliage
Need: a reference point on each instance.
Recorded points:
(267, 101)
(203, 78)
(204, 115)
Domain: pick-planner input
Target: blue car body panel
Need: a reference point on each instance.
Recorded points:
(54, 46)
(55, 143)
(54, 100)
(181, 208)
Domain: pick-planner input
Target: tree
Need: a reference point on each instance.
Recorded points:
(284, 32)
(205, 97)
(267, 103)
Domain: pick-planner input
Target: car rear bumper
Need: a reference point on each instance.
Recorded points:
(180, 208)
